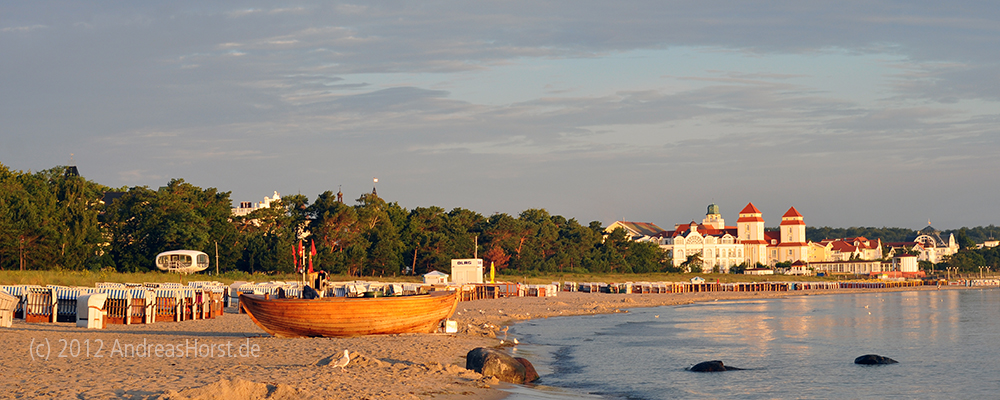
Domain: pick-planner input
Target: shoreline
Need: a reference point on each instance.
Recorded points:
(231, 358)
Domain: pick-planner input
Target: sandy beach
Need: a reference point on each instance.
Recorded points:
(231, 358)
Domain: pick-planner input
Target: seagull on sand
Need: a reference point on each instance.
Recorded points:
(342, 362)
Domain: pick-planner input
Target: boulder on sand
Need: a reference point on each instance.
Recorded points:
(874, 359)
(711, 366)
(496, 363)
(530, 375)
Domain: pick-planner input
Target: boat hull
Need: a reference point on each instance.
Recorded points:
(343, 316)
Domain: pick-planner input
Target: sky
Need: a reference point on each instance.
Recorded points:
(857, 113)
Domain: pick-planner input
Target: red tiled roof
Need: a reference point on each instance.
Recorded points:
(792, 212)
(792, 222)
(842, 246)
(750, 209)
(702, 229)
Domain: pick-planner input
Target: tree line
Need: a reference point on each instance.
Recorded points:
(55, 219)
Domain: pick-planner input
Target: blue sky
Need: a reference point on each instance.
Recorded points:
(858, 113)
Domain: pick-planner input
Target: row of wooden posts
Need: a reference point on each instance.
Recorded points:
(481, 291)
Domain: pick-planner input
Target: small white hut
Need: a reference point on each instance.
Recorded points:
(436, 278)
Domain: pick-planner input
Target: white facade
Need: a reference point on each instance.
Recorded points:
(247, 207)
(716, 251)
(717, 243)
(905, 263)
(723, 246)
(858, 267)
(468, 270)
(934, 247)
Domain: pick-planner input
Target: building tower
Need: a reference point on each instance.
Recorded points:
(750, 232)
(714, 218)
(793, 246)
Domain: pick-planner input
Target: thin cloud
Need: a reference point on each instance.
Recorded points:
(22, 29)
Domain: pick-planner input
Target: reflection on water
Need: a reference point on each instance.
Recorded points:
(799, 347)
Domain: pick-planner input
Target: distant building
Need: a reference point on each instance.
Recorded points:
(905, 263)
(636, 231)
(927, 245)
(791, 246)
(799, 268)
(758, 271)
(934, 247)
(247, 207)
(856, 248)
(468, 270)
(723, 246)
(436, 278)
(717, 243)
(856, 267)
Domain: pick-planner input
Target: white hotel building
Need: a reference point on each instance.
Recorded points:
(727, 246)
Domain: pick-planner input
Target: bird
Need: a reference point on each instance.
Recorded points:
(342, 362)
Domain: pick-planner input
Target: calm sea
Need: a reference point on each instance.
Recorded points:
(947, 343)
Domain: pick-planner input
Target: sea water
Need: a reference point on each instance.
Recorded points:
(947, 343)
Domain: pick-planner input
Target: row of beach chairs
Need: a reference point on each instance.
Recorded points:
(123, 304)
(694, 287)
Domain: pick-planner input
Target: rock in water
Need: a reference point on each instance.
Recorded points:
(530, 375)
(492, 362)
(874, 359)
(711, 366)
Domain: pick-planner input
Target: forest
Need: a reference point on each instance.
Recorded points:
(57, 220)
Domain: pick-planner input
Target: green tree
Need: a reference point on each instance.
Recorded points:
(426, 232)
(693, 263)
(379, 230)
(738, 269)
(645, 257)
(143, 223)
(963, 240)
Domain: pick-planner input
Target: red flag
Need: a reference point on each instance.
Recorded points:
(295, 259)
(312, 253)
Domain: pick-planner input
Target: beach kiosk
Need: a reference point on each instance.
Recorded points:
(436, 278)
(467, 270)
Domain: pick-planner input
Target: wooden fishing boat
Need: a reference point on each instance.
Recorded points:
(350, 316)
